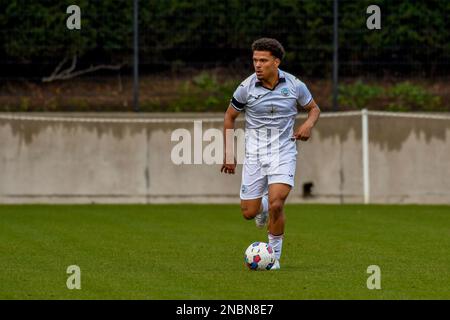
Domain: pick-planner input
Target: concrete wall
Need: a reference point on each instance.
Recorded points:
(79, 162)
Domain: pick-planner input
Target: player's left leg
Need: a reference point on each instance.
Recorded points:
(278, 193)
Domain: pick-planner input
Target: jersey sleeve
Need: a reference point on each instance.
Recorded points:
(239, 99)
(303, 95)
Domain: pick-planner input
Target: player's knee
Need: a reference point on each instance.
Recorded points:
(276, 207)
(247, 213)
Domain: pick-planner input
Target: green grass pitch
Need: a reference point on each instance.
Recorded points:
(196, 252)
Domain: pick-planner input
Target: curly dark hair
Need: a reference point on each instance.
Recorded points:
(271, 45)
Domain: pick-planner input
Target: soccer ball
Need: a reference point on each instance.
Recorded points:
(259, 256)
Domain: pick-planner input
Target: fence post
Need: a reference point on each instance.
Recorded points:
(365, 154)
(335, 55)
(136, 55)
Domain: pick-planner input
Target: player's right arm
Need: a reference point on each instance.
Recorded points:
(229, 161)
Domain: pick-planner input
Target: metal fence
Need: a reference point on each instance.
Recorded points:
(179, 41)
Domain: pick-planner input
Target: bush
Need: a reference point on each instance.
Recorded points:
(180, 33)
(403, 96)
(204, 93)
(358, 95)
(406, 96)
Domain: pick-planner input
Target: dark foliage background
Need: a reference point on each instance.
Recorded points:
(180, 34)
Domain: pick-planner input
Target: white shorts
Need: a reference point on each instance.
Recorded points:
(256, 177)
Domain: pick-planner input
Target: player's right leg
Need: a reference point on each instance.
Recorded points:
(257, 209)
(254, 197)
(250, 208)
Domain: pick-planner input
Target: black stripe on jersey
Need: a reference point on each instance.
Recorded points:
(307, 102)
(237, 105)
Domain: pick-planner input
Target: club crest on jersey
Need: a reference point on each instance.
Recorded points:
(285, 92)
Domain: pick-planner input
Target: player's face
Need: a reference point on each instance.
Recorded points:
(266, 65)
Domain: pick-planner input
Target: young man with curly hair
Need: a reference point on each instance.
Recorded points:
(270, 99)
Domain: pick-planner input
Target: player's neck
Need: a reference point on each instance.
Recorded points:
(271, 82)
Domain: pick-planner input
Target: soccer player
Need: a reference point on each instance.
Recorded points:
(270, 99)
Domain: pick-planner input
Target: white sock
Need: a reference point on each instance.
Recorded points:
(277, 243)
(265, 204)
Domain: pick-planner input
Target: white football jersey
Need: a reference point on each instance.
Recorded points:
(270, 115)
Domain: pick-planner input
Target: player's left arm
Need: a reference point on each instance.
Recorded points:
(304, 131)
